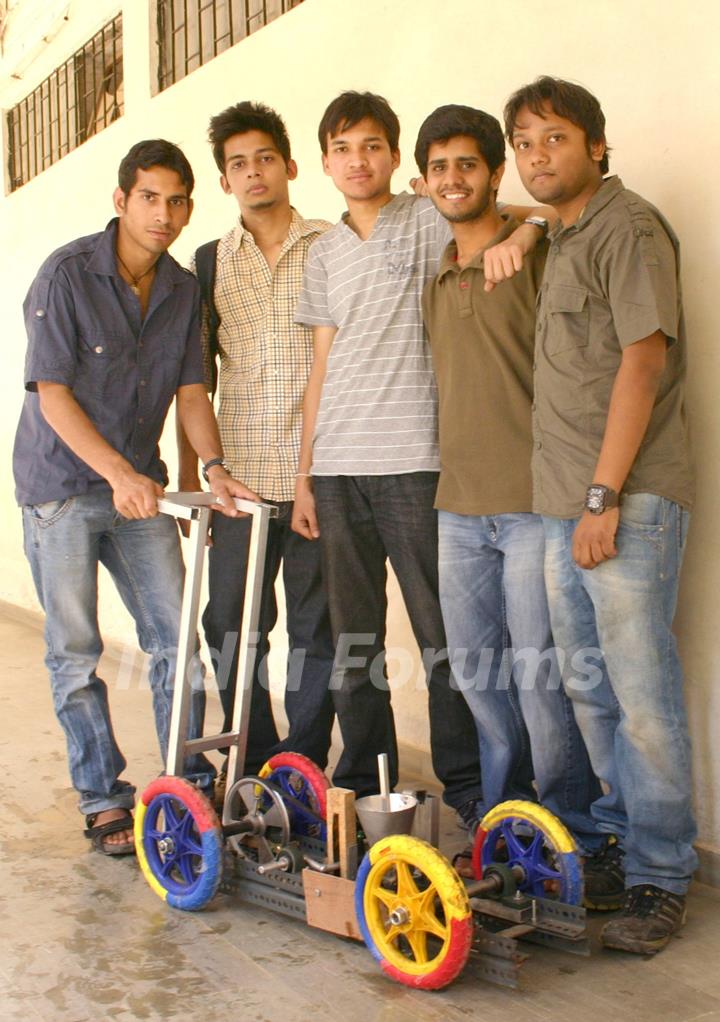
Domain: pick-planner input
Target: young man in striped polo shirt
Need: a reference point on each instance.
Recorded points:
(369, 461)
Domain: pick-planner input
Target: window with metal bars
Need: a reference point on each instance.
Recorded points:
(80, 98)
(192, 32)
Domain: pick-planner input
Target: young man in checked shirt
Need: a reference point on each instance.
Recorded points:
(265, 360)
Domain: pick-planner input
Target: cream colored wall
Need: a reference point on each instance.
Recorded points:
(655, 69)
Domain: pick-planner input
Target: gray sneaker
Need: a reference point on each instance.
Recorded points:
(649, 918)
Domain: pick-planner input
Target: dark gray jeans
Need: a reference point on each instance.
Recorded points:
(308, 703)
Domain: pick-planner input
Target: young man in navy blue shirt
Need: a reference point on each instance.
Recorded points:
(113, 337)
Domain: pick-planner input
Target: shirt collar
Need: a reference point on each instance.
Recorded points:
(299, 228)
(607, 191)
(449, 264)
(103, 259)
(396, 202)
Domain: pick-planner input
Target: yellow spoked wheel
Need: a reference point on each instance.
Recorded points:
(413, 912)
(527, 835)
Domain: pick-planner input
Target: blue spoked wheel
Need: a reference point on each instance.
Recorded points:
(179, 843)
(527, 835)
(305, 786)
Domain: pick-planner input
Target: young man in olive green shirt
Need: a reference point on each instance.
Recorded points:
(612, 478)
(491, 546)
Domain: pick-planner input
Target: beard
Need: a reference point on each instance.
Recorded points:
(475, 212)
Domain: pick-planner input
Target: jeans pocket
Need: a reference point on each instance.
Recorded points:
(641, 533)
(49, 512)
(642, 511)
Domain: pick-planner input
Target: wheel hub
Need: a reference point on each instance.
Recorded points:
(166, 846)
(399, 916)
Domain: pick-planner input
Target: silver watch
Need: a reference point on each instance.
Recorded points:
(599, 498)
(538, 221)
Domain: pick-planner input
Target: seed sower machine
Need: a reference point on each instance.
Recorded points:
(288, 841)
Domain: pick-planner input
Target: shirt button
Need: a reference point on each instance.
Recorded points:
(142, 383)
(143, 420)
(538, 444)
(534, 366)
(99, 349)
(40, 313)
(464, 284)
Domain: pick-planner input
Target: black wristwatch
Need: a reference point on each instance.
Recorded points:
(211, 464)
(599, 498)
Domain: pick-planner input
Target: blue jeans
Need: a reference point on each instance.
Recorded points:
(492, 593)
(64, 542)
(364, 520)
(308, 701)
(623, 675)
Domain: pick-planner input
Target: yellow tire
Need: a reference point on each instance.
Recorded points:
(413, 912)
(525, 834)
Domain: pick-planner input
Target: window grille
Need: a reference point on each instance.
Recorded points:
(192, 32)
(80, 98)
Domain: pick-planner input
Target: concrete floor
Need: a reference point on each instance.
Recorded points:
(83, 937)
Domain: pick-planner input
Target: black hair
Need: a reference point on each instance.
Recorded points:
(452, 120)
(242, 117)
(154, 152)
(352, 107)
(566, 99)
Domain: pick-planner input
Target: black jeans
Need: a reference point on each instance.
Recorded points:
(364, 520)
(308, 702)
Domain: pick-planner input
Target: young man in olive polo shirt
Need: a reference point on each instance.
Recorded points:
(491, 547)
(612, 479)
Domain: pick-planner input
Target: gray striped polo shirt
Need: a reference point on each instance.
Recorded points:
(378, 408)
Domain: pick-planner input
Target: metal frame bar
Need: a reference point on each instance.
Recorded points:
(197, 509)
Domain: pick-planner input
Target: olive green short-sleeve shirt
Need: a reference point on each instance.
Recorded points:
(482, 349)
(611, 279)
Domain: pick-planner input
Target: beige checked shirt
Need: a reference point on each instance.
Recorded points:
(265, 357)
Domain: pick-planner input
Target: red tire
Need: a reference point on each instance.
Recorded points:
(304, 782)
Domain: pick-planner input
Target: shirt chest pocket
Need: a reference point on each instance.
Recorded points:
(568, 326)
(101, 356)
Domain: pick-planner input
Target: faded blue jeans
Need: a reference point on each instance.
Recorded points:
(492, 594)
(623, 675)
(65, 540)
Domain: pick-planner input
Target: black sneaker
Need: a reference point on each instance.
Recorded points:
(469, 815)
(605, 877)
(649, 918)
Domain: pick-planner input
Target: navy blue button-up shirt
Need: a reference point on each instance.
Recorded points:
(85, 331)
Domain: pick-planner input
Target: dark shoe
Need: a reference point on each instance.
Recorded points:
(462, 863)
(649, 918)
(605, 877)
(469, 815)
(99, 834)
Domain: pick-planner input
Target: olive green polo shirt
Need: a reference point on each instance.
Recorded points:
(482, 350)
(611, 279)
